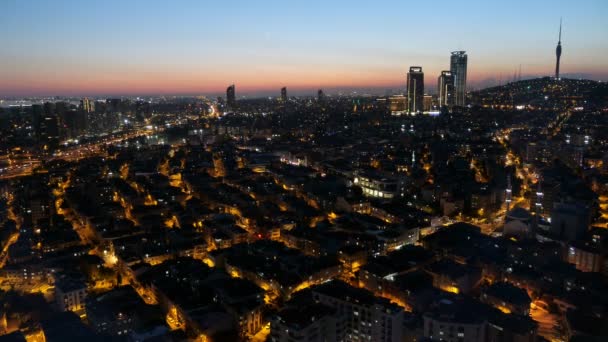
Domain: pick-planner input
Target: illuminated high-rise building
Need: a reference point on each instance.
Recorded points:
(415, 90)
(558, 50)
(445, 89)
(458, 67)
(86, 105)
(231, 96)
(284, 94)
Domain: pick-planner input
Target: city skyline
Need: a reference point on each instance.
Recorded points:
(189, 48)
(275, 171)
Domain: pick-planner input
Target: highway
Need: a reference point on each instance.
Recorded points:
(21, 168)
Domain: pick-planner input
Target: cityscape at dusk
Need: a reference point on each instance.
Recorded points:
(320, 171)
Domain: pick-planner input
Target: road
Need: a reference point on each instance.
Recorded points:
(262, 334)
(12, 215)
(72, 153)
(548, 323)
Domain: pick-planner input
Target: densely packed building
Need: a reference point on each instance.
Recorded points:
(305, 219)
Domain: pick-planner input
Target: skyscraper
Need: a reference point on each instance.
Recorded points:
(49, 126)
(37, 117)
(284, 94)
(458, 67)
(86, 105)
(113, 105)
(231, 96)
(558, 50)
(445, 89)
(415, 89)
(320, 95)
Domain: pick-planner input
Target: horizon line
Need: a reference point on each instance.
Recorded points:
(275, 92)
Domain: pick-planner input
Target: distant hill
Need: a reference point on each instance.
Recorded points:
(545, 92)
